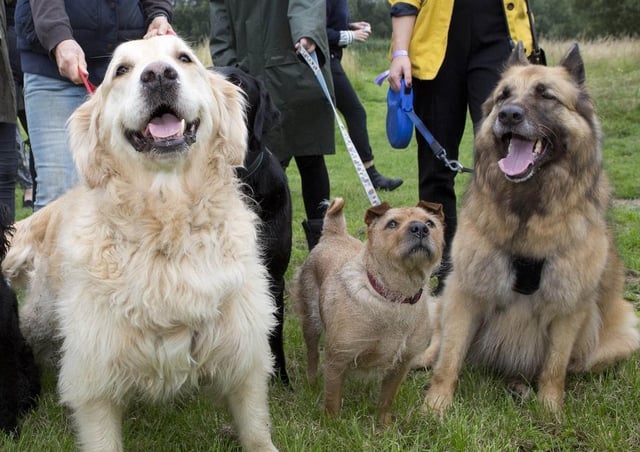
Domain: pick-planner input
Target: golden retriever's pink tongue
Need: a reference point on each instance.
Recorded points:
(164, 126)
(519, 157)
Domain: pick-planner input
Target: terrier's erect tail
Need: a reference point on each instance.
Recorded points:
(334, 221)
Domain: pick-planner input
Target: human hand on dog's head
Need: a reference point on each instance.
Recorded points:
(159, 26)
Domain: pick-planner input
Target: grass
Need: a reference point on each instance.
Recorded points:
(602, 411)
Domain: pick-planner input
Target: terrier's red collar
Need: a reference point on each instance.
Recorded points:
(390, 296)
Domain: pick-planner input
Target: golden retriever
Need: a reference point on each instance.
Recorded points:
(149, 271)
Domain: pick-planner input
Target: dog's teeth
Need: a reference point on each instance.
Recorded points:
(537, 148)
(183, 126)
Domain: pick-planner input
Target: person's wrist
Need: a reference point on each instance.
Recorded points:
(399, 53)
(158, 14)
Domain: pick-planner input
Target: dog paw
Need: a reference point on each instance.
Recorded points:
(312, 378)
(552, 401)
(384, 421)
(520, 390)
(437, 402)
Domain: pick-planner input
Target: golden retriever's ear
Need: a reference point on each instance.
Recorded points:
(375, 212)
(433, 208)
(232, 122)
(89, 158)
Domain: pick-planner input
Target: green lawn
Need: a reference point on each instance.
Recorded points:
(602, 411)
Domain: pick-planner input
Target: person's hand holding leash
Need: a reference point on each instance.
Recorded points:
(308, 44)
(70, 60)
(400, 63)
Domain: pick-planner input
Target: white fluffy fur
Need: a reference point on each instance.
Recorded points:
(149, 271)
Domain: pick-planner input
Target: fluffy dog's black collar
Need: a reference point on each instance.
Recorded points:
(395, 298)
(528, 274)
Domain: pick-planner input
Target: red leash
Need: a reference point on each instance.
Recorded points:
(91, 88)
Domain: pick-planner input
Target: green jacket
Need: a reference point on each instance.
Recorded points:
(8, 92)
(258, 36)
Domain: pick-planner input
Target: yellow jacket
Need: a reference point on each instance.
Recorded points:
(431, 30)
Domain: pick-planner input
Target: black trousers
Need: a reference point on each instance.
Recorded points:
(8, 166)
(314, 179)
(478, 46)
(348, 103)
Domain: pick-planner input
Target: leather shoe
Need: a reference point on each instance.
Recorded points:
(381, 182)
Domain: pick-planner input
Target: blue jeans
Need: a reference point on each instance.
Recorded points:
(49, 102)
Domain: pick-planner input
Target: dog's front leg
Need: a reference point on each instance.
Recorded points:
(334, 374)
(388, 391)
(459, 325)
(563, 332)
(427, 359)
(99, 425)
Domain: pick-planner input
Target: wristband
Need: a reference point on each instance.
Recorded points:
(398, 53)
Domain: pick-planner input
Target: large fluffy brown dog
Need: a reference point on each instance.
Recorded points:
(149, 270)
(536, 288)
(368, 298)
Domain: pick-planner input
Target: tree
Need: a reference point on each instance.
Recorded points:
(191, 19)
(608, 18)
(586, 19)
(376, 12)
(555, 19)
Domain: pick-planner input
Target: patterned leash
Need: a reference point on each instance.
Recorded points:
(312, 61)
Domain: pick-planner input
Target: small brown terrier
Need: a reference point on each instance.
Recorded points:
(371, 299)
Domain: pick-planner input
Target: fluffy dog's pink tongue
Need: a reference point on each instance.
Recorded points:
(519, 157)
(165, 126)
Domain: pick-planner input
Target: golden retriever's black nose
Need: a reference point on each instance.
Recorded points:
(158, 74)
(511, 115)
(418, 229)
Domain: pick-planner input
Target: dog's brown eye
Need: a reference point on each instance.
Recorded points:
(505, 93)
(430, 224)
(544, 92)
(185, 58)
(121, 70)
(392, 224)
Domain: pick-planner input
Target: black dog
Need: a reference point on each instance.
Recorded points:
(265, 182)
(19, 375)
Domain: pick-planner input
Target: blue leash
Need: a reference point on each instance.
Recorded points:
(399, 131)
(437, 149)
